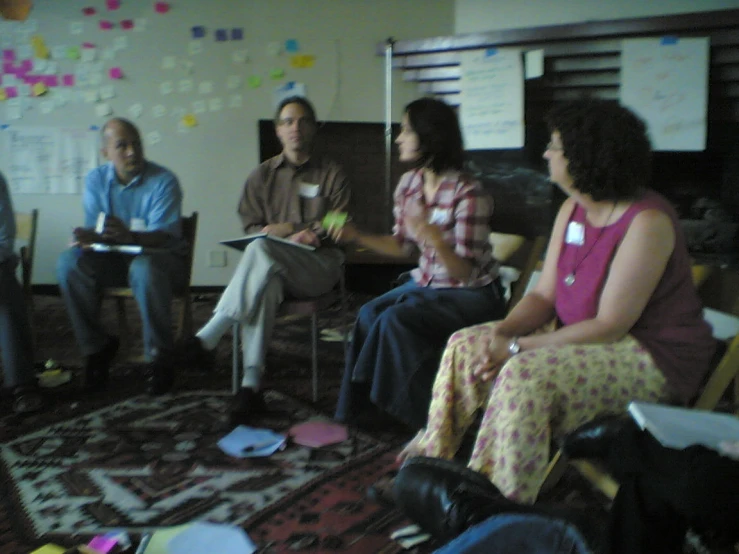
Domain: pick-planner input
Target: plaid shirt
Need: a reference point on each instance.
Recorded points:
(462, 210)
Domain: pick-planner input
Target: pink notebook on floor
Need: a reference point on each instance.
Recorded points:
(315, 434)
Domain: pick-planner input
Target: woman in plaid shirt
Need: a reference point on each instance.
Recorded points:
(444, 215)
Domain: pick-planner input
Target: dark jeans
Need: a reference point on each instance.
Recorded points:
(664, 492)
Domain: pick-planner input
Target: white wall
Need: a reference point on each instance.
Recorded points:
(476, 16)
(212, 161)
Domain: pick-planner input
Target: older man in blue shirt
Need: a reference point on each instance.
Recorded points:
(16, 346)
(142, 206)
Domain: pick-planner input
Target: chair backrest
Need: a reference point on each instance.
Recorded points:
(189, 233)
(520, 253)
(26, 225)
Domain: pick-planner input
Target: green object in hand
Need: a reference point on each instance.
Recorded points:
(334, 219)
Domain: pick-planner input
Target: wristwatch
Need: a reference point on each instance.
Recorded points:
(513, 346)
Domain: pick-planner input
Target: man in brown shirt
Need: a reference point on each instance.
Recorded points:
(286, 197)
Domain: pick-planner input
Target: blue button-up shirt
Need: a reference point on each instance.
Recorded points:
(154, 197)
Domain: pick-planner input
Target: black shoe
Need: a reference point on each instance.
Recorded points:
(97, 366)
(247, 403)
(594, 439)
(193, 354)
(444, 497)
(160, 378)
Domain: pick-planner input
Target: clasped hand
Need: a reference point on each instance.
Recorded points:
(115, 231)
(491, 354)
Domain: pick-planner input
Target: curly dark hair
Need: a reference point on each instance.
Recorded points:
(607, 147)
(439, 137)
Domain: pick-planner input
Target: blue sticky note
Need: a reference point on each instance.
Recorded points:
(94, 128)
(198, 31)
(221, 35)
(668, 40)
(291, 45)
(237, 34)
(4, 126)
(491, 52)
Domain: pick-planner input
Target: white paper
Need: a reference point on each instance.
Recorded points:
(103, 110)
(159, 111)
(48, 160)
(215, 104)
(492, 99)
(185, 85)
(235, 101)
(169, 62)
(153, 137)
(251, 442)
(195, 47)
(135, 110)
(206, 87)
(201, 537)
(534, 63)
(665, 81)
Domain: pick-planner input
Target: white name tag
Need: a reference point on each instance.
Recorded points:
(438, 216)
(575, 233)
(138, 224)
(308, 190)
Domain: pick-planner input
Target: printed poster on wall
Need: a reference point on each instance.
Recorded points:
(47, 160)
(492, 99)
(665, 81)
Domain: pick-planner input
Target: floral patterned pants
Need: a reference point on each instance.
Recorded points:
(538, 394)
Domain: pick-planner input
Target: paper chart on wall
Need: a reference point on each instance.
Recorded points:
(665, 81)
(492, 99)
(46, 160)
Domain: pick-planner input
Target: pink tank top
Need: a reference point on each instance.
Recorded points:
(671, 327)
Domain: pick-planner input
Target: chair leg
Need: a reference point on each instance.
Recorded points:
(344, 316)
(314, 353)
(124, 334)
(235, 370)
(184, 321)
(555, 470)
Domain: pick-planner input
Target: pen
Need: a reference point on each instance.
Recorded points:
(146, 537)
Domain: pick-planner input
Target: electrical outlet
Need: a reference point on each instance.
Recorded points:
(217, 258)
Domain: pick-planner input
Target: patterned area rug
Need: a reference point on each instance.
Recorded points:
(145, 463)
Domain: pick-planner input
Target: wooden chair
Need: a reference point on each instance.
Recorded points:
(722, 375)
(181, 298)
(26, 226)
(294, 307)
(520, 253)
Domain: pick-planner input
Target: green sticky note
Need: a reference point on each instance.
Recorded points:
(254, 81)
(277, 73)
(73, 53)
(334, 219)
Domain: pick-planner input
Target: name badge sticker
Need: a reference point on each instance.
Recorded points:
(138, 224)
(438, 216)
(308, 190)
(575, 233)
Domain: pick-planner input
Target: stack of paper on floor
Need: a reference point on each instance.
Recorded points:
(683, 427)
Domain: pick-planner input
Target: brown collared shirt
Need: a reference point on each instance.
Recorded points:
(279, 192)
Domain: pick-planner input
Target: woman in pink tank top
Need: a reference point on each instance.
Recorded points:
(617, 283)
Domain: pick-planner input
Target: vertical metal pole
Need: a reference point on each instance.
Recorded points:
(388, 131)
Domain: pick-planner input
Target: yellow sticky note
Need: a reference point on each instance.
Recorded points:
(3, 94)
(50, 549)
(276, 73)
(254, 81)
(189, 120)
(39, 47)
(38, 89)
(302, 61)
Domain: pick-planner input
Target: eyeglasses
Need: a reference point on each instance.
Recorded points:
(301, 121)
(552, 148)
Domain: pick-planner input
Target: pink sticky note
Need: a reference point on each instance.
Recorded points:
(89, 11)
(88, 45)
(51, 80)
(103, 543)
(115, 73)
(127, 24)
(11, 92)
(161, 7)
(8, 55)
(68, 80)
(8, 67)
(31, 79)
(26, 66)
(113, 4)
(106, 25)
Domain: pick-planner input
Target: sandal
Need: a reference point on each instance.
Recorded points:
(26, 401)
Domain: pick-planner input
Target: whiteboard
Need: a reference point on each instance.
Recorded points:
(665, 81)
(492, 99)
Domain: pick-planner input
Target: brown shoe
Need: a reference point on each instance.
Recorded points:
(246, 404)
